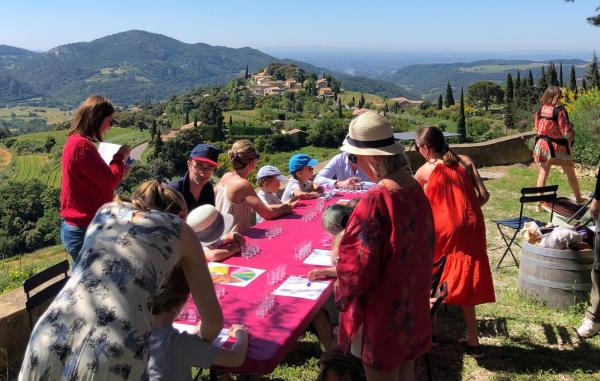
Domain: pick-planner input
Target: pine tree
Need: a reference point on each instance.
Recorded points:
(461, 127)
(449, 101)
(385, 109)
(440, 103)
(584, 84)
(246, 75)
(560, 76)
(340, 113)
(573, 79)
(509, 93)
(593, 76)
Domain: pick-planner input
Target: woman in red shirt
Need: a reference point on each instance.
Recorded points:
(87, 182)
(385, 259)
(554, 141)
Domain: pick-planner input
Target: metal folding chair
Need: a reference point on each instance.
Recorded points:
(512, 226)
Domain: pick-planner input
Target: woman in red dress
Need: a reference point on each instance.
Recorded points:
(456, 193)
(385, 259)
(555, 136)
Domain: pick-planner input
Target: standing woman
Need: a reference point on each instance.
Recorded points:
(385, 259)
(456, 193)
(235, 195)
(87, 182)
(554, 141)
(98, 326)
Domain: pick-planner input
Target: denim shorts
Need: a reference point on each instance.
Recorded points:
(72, 239)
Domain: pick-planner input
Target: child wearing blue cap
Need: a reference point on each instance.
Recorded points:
(301, 185)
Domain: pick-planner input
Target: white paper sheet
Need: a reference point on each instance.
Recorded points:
(319, 257)
(107, 151)
(191, 329)
(301, 287)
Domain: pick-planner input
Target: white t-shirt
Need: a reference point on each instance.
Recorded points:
(293, 185)
(269, 198)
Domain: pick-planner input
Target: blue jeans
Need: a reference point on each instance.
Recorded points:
(72, 239)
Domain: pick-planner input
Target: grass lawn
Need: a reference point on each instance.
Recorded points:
(247, 116)
(522, 339)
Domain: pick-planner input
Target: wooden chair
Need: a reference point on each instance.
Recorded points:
(47, 293)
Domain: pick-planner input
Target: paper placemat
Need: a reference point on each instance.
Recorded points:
(301, 287)
(319, 257)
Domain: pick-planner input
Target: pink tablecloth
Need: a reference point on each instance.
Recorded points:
(272, 336)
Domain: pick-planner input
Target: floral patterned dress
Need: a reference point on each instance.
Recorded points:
(384, 277)
(552, 125)
(98, 326)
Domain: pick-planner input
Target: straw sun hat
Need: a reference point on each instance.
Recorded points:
(209, 224)
(371, 134)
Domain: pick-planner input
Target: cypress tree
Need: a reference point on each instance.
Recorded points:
(542, 82)
(530, 79)
(246, 75)
(340, 114)
(449, 101)
(593, 76)
(560, 76)
(385, 109)
(517, 92)
(509, 89)
(187, 117)
(509, 121)
(153, 129)
(440, 103)
(361, 101)
(461, 127)
(230, 121)
(552, 76)
(397, 106)
(584, 84)
(573, 79)
(158, 145)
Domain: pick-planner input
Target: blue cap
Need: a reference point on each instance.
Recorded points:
(269, 170)
(299, 161)
(206, 153)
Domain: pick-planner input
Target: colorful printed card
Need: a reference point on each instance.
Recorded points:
(233, 275)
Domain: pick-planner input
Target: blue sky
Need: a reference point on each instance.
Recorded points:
(401, 25)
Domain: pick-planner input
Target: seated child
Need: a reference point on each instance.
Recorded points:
(207, 221)
(174, 353)
(269, 180)
(301, 185)
(334, 221)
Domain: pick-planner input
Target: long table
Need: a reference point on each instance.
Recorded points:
(273, 336)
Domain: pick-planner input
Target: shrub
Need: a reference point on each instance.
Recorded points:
(586, 119)
(328, 133)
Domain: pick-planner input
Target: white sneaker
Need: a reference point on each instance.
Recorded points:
(588, 328)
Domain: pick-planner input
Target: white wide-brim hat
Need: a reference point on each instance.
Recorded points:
(209, 224)
(371, 134)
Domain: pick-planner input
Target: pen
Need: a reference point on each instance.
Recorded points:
(308, 284)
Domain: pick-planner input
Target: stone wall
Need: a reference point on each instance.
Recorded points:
(502, 151)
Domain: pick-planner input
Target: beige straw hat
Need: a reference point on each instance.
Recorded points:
(371, 134)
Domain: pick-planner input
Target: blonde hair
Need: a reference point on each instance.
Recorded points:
(384, 165)
(90, 115)
(551, 96)
(433, 138)
(242, 153)
(152, 195)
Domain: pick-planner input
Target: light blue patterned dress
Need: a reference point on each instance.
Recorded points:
(98, 327)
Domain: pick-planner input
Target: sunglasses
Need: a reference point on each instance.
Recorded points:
(353, 159)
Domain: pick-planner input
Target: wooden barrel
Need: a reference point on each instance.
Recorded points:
(559, 278)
